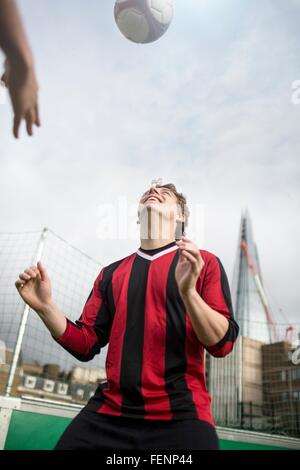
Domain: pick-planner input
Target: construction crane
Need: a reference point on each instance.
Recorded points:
(274, 337)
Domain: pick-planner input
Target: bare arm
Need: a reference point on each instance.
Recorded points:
(54, 319)
(13, 39)
(19, 74)
(215, 327)
(34, 287)
(210, 326)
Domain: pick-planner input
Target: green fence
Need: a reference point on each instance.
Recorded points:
(28, 424)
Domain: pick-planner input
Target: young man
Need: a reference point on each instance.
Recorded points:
(159, 309)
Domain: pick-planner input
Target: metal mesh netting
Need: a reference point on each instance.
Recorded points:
(72, 275)
(16, 253)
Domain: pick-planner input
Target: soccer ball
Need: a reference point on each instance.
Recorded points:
(143, 21)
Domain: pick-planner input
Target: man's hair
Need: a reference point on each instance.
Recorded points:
(181, 200)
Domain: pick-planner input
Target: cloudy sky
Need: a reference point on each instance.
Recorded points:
(208, 107)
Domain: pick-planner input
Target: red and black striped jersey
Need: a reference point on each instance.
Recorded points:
(155, 363)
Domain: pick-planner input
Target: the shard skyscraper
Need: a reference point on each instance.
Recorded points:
(249, 299)
(235, 382)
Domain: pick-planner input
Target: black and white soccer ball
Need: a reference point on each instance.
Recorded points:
(143, 21)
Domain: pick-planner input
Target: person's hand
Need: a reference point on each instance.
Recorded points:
(189, 265)
(34, 287)
(22, 85)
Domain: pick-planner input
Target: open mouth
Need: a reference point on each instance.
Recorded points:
(153, 198)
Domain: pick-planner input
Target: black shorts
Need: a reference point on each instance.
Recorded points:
(94, 431)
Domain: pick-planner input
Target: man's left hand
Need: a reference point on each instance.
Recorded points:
(189, 265)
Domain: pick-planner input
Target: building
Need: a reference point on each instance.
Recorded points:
(281, 387)
(87, 375)
(48, 381)
(236, 386)
(250, 303)
(256, 386)
(235, 382)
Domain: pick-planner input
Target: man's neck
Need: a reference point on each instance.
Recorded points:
(152, 244)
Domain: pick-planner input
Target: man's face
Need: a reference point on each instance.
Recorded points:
(159, 212)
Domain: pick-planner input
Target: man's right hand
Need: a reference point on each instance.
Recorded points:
(34, 287)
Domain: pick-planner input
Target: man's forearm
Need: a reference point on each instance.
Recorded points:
(54, 319)
(209, 325)
(13, 39)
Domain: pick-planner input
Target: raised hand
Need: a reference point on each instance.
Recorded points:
(189, 265)
(34, 287)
